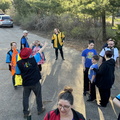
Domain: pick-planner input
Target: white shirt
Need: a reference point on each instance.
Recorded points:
(115, 52)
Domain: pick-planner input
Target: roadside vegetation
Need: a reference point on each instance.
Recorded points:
(79, 19)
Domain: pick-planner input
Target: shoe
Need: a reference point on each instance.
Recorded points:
(63, 59)
(85, 92)
(27, 115)
(15, 87)
(99, 105)
(39, 112)
(91, 100)
(56, 58)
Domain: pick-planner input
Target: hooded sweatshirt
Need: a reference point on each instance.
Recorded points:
(105, 75)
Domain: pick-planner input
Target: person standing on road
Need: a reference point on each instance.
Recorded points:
(87, 55)
(64, 110)
(57, 40)
(105, 78)
(11, 59)
(29, 71)
(92, 78)
(111, 44)
(24, 42)
(36, 46)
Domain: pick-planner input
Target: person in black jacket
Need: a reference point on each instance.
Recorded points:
(30, 73)
(105, 78)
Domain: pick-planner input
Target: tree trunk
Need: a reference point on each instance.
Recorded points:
(113, 17)
(103, 26)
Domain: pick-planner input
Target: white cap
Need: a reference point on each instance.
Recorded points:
(25, 31)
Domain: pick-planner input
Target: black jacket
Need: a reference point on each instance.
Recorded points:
(105, 75)
(29, 71)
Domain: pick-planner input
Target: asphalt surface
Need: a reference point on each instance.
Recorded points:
(56, 74)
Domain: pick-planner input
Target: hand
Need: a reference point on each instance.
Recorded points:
(95, 69)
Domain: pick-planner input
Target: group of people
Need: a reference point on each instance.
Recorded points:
(27, 63)
(98, 70)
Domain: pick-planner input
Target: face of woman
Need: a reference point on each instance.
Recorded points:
(64, 107)
(55, 31)
(91, 46)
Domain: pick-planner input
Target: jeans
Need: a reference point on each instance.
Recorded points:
(26, 93)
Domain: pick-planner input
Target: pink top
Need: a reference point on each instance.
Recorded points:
(35, 50)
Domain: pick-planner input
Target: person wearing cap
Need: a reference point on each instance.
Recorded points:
(30, 73)
(24, 42)
(87, 55)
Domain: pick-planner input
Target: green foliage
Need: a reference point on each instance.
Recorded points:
(4, 5)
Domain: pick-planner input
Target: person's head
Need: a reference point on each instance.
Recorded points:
(108, 54)
(65, 100)
(111, 43)
(25, 53)
(56, 30)
(13, 45)
(25, 33)
(95, 59)
(91, 44)
(37, 43)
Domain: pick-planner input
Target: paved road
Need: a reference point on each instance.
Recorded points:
(56, 74)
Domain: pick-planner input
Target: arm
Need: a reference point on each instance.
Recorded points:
(102, 54)
(38, 56)
(83, 63)
(23, 46)
(116, 102)
(42, 49)
(93, 77)
(117, 63)
(100, 60)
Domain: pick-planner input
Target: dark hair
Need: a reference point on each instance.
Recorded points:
(91, 41)
(66, 94)
(108, 53)
(96, 57)
(11, 44)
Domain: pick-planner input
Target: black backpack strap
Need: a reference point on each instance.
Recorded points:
(48, 115)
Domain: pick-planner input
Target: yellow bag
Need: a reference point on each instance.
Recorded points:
(18, 80)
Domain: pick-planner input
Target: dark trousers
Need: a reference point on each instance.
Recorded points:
(26, 93)
(86, 80)
(40, 67)
(104, 95)
(92, 91)
(61, 52)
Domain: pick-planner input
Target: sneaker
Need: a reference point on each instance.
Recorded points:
(15, 87)
(91, 100)
(27, 114)
(39, 112)
(99, 105)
